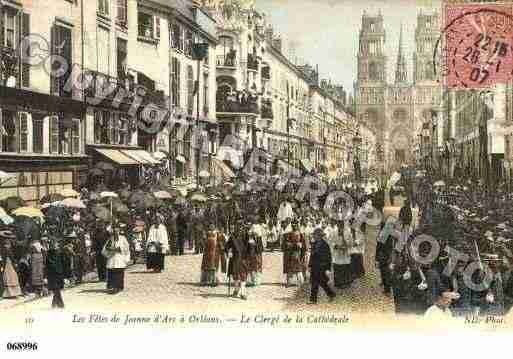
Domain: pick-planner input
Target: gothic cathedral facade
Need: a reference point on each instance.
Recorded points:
(396, 111)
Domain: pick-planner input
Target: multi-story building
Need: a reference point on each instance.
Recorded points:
(106, 77)
(42, 122)
(266, 101)
(396, 111)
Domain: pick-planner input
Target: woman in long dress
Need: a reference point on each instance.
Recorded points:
(37, 260)
(10, 282)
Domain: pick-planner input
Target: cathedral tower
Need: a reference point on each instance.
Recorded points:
(401, 72)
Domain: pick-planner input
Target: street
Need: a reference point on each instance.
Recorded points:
(177, 288)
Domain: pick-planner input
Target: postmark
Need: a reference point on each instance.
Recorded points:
(475, 48)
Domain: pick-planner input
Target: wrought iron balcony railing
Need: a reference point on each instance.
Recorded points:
(227, 60)
(237, 103)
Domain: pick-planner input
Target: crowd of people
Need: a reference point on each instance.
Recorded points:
(457, 261)
(105, 232)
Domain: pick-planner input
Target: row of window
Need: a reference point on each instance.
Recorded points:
(176, 87)
(111, 128)
(22, 132)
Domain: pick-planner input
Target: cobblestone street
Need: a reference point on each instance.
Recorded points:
(177, 288)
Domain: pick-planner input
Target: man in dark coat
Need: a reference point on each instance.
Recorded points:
(384, 249)
(237, 249)
(55, 272)
(320, 266)
(101, 236)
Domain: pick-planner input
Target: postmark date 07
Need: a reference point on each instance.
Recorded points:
(22, 346)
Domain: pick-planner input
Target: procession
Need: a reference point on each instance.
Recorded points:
(78, 233)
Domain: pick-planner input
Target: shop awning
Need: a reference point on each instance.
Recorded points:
(223, 168)
(141, 156)
(117, 157)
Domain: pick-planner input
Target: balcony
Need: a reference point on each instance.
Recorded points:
(267, 110)
(237, 103)
(106, 88)
(228, 60)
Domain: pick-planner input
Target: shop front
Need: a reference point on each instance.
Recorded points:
(41, 144)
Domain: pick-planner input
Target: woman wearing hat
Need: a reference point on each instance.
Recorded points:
(10, 285)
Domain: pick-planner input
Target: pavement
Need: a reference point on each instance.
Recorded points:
(177, 288)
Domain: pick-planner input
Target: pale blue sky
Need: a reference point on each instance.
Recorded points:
(326, 31)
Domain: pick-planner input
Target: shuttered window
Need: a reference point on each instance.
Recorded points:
(61, 47)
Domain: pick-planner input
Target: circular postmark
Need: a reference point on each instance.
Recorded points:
(475, 48)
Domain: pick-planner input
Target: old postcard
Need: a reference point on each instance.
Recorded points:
(255, 164)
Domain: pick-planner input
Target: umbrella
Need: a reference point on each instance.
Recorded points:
(198, 197)
(69, 192)
(28, 212)
(52, 197)
(107, 194)
(73, 203)
(4, 176)
(439, 184)
(204, 174)
(163, 195)
(159, 155)
(11, 203)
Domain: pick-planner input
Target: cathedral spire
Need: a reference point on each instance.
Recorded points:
(401, 74)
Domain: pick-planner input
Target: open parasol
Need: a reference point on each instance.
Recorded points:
(108, 194)
(198, 197)
(69, 192)
(51, 198)
(72, 203)
(163, 195)
(29, 212)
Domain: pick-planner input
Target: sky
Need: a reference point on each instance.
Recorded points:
(325, 32)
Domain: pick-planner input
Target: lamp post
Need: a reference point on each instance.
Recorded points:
(199, 53)
(357, 140)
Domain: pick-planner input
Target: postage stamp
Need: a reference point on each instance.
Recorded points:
(478, 45)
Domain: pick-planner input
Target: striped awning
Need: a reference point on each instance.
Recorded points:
(141, 156)
(117, 156)
(223, 168)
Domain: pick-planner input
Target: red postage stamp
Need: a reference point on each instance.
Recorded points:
(478, 45)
